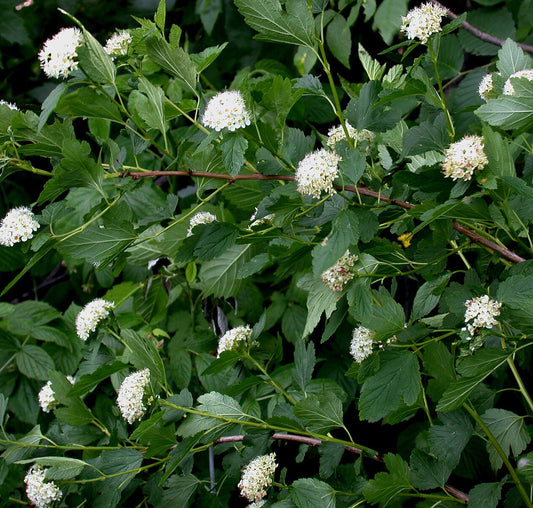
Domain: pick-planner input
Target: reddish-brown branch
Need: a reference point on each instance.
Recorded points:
(351, 449)
(480, 34)
(362, 190)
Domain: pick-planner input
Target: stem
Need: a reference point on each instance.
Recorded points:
(461, 255)
(520, 383)
(449, 122)
(501, 453)
(267, 375)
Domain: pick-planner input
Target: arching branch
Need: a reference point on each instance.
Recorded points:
(362, 190)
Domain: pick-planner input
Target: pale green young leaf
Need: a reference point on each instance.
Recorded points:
(205, 58)
(160, 15)
(312, 493)
(510, 431)
(153, 112)
(397, 380)
(293, 26)
(372, 67)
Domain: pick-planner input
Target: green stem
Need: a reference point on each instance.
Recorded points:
(520, 383)
(264, 425)
(449, 122)
(501, 453)
(271, 380)
(461, 255)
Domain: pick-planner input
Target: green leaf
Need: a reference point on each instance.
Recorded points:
(304, 364)
(372, 67)
(58, 468)
(428, 472)
(312, 493)
(293, 26)
(206, 57)
(485, 495)
(87, 102)
(34, 362)
(226, 359)
(498, 152)
(330, 457)
(339, 39)
(320, 413)
(320, 300)
(387, 18)
(98, 244)
(384, 488)
(160, 15)
(12, 27)
(174, 60)
(179, 490)
(516, 291)
(151, 105)
(397, 380)
(510, 431)
(76, 169)
(208, 10)
(510, 111)
(387, 317)
(50, 103)
(428, 295)
(87, 382)
(511, 58)
(144, 355)
(220, 276)
(279, 97)
(447, 441)
(214, 404)
(478, 367)
(233, 146)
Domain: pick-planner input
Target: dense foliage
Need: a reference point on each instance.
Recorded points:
(248, 259)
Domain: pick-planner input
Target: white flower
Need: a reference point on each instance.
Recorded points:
(361, 344)
(131, 394)
(90, 316)
(118, 43)
(17, 226)
(316, 171)
(59, 54)
(508, 88)
(336, 134)
(234, 337)
(200, 218)
(482, 312)
(464, 157)
(423, 21)
(486, 87)
(10, 105)
(226, 109)
(257, 476)
(257, 504)
(41, 493)
(47, 400)
(340, 273)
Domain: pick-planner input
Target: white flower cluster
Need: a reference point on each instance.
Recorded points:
(17, 226)
(257, 504)
(41, 493)
(361, 344)
(316, 171)
(59, 54)
(200, 218)
(90, 316)
(47, 400)
(254, 221)
(464, 157)
(234, 337)
(482, 311)
(10, 105)
(486, 86)
(257, 476)
(131, 394)
(226, 109)
(336, 134)
(118, 43)
(423, 21)
(508, 88)
(340, 273)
